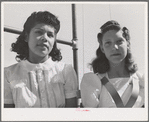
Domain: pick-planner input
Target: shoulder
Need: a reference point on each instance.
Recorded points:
(12, 68)
(91, 75)
(61, 66)
(140, 77)
(66, 70)
(91, 79)
(11, 71)
(68, 73)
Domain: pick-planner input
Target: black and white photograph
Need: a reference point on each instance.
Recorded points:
(74, 61)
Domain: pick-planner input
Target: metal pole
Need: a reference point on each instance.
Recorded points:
(12, 31)
(75, 49)
(74, 40)
(19, 32)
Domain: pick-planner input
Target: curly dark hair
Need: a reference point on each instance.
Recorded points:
(21, 47)
(101, 64)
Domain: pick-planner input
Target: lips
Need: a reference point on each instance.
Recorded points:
(43, 45)
(116, 54)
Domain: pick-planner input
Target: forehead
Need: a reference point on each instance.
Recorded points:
(111, 34)
(45, 27)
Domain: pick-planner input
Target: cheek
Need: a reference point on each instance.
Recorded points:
(52, 41)
(32, 39)
(124, 49)
(106, 50)
(31, 42)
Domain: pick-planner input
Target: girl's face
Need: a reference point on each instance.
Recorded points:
(114, 46)
(41, 40)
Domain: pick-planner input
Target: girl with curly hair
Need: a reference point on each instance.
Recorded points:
(115, 81)
(39, 79)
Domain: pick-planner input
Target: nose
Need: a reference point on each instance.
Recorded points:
(44, 37)
(115, 46)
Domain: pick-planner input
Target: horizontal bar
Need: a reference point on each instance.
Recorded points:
(12, 30)
(64, 42)
(19, 32)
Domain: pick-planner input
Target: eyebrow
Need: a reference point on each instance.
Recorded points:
(107, 40)
(121, 38)
(44, 30)
(39, 29)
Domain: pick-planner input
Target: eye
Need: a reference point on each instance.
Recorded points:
(120, 41)
(38, 32)
(50, 34)
(107, 43)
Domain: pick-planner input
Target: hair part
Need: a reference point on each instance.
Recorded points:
(21, 46)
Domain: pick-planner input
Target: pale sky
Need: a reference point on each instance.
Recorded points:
(90, 16)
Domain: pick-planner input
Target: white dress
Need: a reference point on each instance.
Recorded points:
(45, 84)
(94, 94)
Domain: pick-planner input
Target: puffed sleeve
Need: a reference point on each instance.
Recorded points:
(71, 82)
(8, 99)
(90, 90)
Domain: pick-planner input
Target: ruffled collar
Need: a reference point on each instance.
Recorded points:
(31, 66)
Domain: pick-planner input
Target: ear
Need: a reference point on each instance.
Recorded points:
(101, 47)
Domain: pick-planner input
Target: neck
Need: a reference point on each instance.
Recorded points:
(118, 70)
(37, 60)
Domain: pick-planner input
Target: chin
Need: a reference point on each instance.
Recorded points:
(117, 61)
(43, 54)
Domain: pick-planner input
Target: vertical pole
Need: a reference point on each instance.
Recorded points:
(75, 49)
(74, 40)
